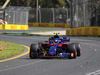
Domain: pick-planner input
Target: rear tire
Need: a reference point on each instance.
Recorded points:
(78, 49)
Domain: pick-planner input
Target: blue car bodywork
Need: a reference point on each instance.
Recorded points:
(55, 47)
(56, 44)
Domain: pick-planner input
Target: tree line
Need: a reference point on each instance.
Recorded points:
(42, 3)
(45, 3)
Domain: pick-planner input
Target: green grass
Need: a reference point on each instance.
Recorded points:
(9, 49)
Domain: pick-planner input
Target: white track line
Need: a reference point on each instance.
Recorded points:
(21, 66)
(94, 73)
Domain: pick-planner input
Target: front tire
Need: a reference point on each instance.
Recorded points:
(33, 51)
(72, 50)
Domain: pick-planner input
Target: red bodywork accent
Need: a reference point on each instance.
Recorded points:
(59, 45)
(31, 54)
(46, 44)
(80, 49)
(53, 44)
(75, 53)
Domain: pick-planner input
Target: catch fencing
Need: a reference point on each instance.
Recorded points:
(17, 15)
(1, 13)
(49, 15)
(85, 13)
(23, 15)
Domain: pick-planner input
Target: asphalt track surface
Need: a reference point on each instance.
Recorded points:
(87, 63)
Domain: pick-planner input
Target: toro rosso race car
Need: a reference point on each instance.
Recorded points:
(55, 47)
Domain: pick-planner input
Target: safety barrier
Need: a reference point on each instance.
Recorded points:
(94, 31)
(15, 27)
(49, 25)
(1, 26)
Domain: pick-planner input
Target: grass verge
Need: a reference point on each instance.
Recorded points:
(9, 49)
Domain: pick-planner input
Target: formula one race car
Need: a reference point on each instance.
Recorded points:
(55, 47)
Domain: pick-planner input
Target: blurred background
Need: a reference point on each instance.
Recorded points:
(78, 13)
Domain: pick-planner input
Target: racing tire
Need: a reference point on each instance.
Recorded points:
(78, 49)
(72, 50)
(33, 51)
